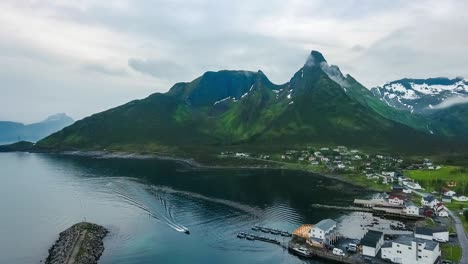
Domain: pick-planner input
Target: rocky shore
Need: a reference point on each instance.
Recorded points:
(80, 244)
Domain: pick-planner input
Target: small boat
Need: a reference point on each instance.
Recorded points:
(285, 234)
(275, 232)
(255, 228)
(265, 229)
(250, 237)
(241, 235)
(302, 251)
(185, 230)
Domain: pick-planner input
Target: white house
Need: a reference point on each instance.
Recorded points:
(372, 242)
(323, 232)
(429, 201)
(410, 250)
(388, 173)
(395, 200)
(450, 193)
(441, 210)
(438, 233)
(411, 209)
(413, 185)
(407, 190)
(460, 198)
(446, 199)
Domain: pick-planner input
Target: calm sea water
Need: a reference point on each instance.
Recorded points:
(145, 204)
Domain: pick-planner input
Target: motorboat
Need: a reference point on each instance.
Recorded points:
(301, 251)
(241, 235)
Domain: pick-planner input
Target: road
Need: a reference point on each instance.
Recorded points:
(76, 248)
(461, 235)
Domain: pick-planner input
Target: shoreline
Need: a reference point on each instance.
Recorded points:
(193, 163)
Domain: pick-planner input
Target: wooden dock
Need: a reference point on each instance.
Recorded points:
(323, 253)
(378, 211)
(343, 208)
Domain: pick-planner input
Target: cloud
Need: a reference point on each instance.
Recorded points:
(160, 69)
(134, 49)
(99, 68)
(452, 101)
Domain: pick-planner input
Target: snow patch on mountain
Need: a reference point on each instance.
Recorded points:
(222, 100)
(421, 95)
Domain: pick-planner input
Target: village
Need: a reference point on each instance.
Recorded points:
(417, 239)
(428, 235)
(342, 160)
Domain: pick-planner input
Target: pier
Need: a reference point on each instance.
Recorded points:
(378, 211)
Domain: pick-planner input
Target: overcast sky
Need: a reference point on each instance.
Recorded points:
(84, 56)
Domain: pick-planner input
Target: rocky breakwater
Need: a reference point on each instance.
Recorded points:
(80, 244)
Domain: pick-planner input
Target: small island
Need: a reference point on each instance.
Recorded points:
(80, 244)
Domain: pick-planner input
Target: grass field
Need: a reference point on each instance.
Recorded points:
(456, 207)
(451, 252)
(434, 180)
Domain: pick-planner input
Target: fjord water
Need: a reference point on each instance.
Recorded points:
(146, 204)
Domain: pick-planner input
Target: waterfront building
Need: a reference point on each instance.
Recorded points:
(438, 233)
(372, 242)
(324, 232)
(411, 208)
(411, 250)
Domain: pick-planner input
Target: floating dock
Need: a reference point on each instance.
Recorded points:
(261, 238)
(272, 231)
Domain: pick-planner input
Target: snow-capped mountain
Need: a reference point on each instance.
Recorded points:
(422, 95)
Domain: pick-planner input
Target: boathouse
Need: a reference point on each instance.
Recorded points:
(323, 233)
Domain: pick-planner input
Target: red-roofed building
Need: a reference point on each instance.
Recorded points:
(395, 200)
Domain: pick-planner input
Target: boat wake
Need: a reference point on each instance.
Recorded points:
(138, 195)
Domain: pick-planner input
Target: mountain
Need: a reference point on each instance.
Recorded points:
(421, 95)
(441, 102)
(14, 131)
(319, 105)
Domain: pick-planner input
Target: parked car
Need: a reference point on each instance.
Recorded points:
(338, 252)
(351, 247)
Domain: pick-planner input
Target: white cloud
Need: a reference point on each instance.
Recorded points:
(452, 101)
(119, 50)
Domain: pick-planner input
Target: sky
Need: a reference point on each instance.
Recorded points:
(84, 56)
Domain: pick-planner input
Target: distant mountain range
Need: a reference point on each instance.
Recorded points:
(14, 131)
(442, 102)
(319, 105)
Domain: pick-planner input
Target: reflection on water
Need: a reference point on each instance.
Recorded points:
(147, 204)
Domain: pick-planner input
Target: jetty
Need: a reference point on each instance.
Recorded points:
(80, 244)
(388, 212)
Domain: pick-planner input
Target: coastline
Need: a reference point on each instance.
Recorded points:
(101, 154)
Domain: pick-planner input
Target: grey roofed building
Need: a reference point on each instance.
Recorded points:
(430, 230)
(429, 198)
(326, 224)
(371, 238)
(407, 240)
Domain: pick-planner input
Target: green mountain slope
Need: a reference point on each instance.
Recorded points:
(317, 106)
